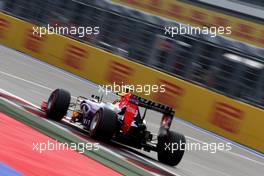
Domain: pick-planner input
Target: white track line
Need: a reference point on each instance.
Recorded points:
(10, 94)
(208, 168)
(232, 153)
(24, 80)
(57, 69)
(29, 82)
(157, 165)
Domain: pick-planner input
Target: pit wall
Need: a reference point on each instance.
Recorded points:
(229, 118)
(242, 30)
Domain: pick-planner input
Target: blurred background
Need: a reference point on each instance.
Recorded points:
(221, 64)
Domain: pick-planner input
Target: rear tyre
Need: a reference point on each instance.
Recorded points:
(58, 104)
(103, 124)
(171, 148)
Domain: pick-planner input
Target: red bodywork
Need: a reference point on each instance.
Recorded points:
(131, 110)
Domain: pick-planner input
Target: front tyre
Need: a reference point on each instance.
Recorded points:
(58, 104)
(171, 148)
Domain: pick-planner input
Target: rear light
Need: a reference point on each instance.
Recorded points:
(166, 120)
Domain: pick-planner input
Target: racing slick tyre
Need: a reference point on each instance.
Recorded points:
(103, 124)
(58, 104)
(171, 148)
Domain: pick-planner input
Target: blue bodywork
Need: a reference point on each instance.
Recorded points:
(90, 107)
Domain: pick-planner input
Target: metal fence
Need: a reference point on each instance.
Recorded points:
(225, 66)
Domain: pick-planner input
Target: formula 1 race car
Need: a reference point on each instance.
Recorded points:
(120, 121)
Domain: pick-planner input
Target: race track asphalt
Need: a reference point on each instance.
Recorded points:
(33, 81)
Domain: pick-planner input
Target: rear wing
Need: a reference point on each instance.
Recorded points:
(148, 104)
